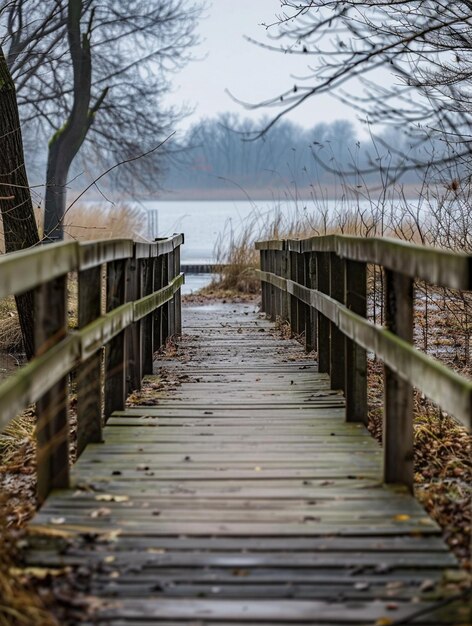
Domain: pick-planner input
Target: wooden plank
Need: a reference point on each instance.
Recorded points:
(27, 269)
(242, 491)
(52, 428)
(398, 441)
(95, 253)
(89, 374)
(271, 611)
(434, 265)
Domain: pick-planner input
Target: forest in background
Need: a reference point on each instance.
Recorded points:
(228, 157)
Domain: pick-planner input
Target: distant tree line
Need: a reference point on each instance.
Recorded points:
(225, 152)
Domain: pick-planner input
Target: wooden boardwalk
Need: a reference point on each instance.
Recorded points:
(242, 497)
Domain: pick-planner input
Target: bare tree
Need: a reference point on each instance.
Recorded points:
(19, 224)
(98, 85)
(425, 45)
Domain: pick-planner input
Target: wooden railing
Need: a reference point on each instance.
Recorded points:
(319, 285)
(128, 305)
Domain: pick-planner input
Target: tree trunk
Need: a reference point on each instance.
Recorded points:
(66, 142)
(56, 190)
(19, 223)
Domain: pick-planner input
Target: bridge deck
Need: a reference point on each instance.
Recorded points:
(242, 496)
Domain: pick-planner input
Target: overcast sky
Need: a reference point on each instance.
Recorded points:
(252, 74)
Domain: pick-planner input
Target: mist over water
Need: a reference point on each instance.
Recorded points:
(202, 222)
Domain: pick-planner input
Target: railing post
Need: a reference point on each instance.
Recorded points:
(301, 306)
(52, 430)
(133, 332)
(322, 280)
(177, 295)
(115, 352)
(89, 374)
(293, 266)
(311, 317)
(285, 273)
(272, 289)
(398, 394)
(147, 335)
(277, 291)
(264, 285)
(338, 340)
(158, 313)
(170, 276)
(356, 357)
(165, 316)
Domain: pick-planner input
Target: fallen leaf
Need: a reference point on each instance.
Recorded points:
(40, 572)
(240, 572)
(361, 586)
(106, 497)
(101, 512)
(402, 517)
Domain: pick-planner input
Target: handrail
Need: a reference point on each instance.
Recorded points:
(434, 265)
(142, 284)
(319, 286)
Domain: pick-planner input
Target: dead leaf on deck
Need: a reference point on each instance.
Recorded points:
(106, 497)
(401, 517)
(101, 512)
(40, 572)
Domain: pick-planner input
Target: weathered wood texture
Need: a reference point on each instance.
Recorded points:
(242, 497)
(121, 272)
(336, 297)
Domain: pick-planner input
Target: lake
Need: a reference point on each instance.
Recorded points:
(203, 221)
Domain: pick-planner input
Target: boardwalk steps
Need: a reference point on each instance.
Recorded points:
(243, 497)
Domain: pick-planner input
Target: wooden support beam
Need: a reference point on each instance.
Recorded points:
(147, 324)
(398, 393)
(177, 296)
(293, 267)
(133, 332)
(170, 276)
(311, 315)
(356, 356)
(337, 366)
(165, 318)
(262, 255)
(89, 374)
(322, 285)
(52, 429)
(115, 352)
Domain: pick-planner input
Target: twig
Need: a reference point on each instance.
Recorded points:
(130, 160)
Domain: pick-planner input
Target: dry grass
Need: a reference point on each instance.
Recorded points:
(83, 222)
(235, 250)
(10, 333)
(86, 222)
